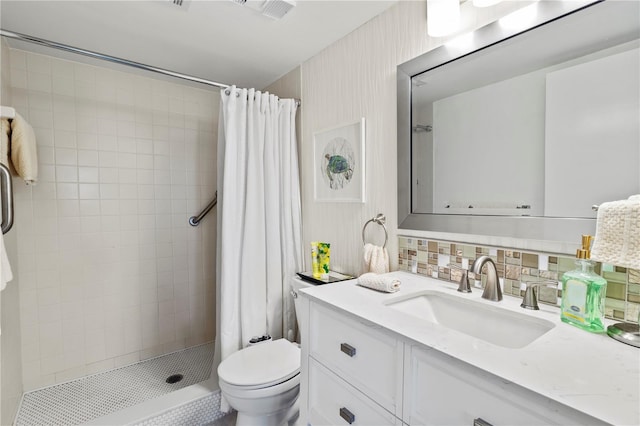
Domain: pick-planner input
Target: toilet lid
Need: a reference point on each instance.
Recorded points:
(262, 364)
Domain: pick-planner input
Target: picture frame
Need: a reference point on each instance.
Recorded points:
(339, 164)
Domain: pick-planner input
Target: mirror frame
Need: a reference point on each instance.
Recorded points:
(520, 227)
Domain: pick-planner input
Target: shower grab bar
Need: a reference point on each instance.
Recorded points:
(6, 193)
(195, 220)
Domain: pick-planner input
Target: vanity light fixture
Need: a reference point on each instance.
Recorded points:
(520, 19)
(485, 3)
(443, 17)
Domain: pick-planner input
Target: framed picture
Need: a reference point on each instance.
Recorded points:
(338, 164)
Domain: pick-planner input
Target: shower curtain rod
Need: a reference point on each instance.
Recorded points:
(103, 57)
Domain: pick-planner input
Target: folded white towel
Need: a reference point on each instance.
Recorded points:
(376, 259)
(379, 282)
(5, 268)
(23, 153)
(617, 239)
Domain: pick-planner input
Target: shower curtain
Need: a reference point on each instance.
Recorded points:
(259, 220)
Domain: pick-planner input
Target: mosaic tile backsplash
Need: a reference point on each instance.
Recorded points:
(445, 260)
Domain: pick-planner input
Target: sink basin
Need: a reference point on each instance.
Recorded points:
(492, 324)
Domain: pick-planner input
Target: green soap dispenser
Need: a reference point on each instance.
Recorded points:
(583, 292)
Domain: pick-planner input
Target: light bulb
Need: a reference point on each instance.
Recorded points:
(443, 17)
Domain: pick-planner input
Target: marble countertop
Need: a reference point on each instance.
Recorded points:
(591, 373)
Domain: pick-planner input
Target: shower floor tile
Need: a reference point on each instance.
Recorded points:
(94, 396)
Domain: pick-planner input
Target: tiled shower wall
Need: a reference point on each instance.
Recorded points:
(10, 353)
(110, 271)
(444, 260)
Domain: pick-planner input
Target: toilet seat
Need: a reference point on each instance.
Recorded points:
(261, 366)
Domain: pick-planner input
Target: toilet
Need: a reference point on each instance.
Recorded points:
(262, 382)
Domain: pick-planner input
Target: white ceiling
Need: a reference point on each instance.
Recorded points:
(216, 40)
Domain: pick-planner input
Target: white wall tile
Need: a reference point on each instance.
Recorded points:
(62, 68)
(39, 82)
(66, 156)
(88, 175)
(108, 175)
(66, 173)
(62, 85)
(108, 159)
(67, 191)
(87, 141)
(97, 239)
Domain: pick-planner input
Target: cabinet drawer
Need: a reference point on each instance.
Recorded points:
(332, 401)
(365, 357)
(444, 391)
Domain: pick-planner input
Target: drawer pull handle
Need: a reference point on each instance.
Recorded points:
(480, 422)
(347, 349)
(347, 415)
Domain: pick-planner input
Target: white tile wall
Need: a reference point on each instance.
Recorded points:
(10, 350)
(111, 272)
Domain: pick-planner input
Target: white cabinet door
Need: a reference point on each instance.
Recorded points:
(332, 401)
(367, 358)
(440, 390)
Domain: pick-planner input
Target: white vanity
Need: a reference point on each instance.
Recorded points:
(370, 358)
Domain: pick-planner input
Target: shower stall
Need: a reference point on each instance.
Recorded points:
(108, 272)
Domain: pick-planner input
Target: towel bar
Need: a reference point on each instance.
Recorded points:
(380, 220)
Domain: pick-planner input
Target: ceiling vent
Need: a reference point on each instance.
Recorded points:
(182, 4)
(276, 9)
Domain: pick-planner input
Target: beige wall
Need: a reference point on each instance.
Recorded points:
(110, 271)
(353, 78)
(10, 352)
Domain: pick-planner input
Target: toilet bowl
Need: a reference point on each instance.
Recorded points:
(262, 382)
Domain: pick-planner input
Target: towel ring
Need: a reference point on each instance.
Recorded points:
(380, 220)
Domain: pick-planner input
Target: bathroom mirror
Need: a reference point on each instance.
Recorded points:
(519, 132)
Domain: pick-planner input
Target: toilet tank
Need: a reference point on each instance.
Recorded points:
(296, 285)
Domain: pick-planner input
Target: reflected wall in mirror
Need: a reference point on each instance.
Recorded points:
(537, 126)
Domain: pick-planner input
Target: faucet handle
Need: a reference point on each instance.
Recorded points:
(530, 301)
(463, 286)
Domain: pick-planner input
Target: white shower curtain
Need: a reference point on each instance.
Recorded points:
(259, 225)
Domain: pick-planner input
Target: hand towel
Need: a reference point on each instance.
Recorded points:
(376, 259)
(23, 150)
(383, 283)
(5, 131)
(617, 239)
(5, 268)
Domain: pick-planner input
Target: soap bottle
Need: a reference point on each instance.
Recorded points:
(583, 292)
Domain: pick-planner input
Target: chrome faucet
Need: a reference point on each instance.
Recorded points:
(492, 290)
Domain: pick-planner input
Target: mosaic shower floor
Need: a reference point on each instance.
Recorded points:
(94, 396)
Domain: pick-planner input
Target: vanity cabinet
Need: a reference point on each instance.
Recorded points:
(354, 372)
(440, 390)
(354, 368)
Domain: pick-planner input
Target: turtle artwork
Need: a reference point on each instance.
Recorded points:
(338, 163)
